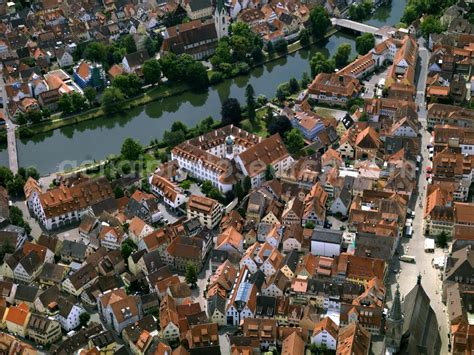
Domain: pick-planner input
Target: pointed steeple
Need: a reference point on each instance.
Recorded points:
(220, 6)
(396, 310)
(418, 279)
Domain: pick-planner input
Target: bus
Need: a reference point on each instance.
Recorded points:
(407, 258)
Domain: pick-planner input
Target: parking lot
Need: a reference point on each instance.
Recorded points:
(371, 83)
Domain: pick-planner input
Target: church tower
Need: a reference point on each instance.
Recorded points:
(221, 19)
(394, 326)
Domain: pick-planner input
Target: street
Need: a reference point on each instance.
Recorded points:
(415, 246)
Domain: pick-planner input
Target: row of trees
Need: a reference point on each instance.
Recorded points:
(177, 69)
(109, 55)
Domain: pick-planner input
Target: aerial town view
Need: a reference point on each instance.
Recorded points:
(236, 177)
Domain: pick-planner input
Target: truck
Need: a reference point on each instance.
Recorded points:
(407, 258)
(408, 231)
(429, 245)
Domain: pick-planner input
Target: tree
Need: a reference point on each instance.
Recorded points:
(206, 187)
(151, 71)
(16, 218)
(25, 173)
(65, 104)
(15, 186)
(431, 25)
(304, 37)
(281, 46)
(309, 225)
(169, 66)
(269, 117)
(96, 52)
(341, 57)
(320, 21)
(129, 84)
(442, 240)
(283, 91)
(231, 111)
(90, 94)
(294, 85)
(84, 319)
(6, 249)
(196, 74)
(78, 102)
(305, 80)
(319, 63)
(173, 138)
(410, 14)
(365, 43)
(280, 125)
(294, 140)
(257, 54)
(222, 54)
(247, 184)
(5, 176)
(239, 191)
(131, 149)
(250, 101)
(191, 275)
(269, 172)
(112, 100)
(129, 44)
(128, 247)
(270, 48)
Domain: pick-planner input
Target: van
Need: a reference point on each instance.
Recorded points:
(408, 231)
(407, 259)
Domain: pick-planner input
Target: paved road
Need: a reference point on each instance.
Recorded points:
(415, 245)
(11, 139)
(421, 84)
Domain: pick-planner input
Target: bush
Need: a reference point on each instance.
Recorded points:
(281, 46)
(216, 77)
(244, 68)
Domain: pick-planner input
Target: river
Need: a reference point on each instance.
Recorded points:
(97, 139)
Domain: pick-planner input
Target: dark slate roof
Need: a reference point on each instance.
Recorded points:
(371, 245)
(138, 255)
(291, 260)
(137, 58)
(31, 262)
(103, 339)
(26, 293)
(347, 121)
(153, 261)
(420, 326)
(216, 302)
(219, 256)
(327, 235)
(76, 341)
(345, 196)
(134, 330)
(50, 295)
(265, 306)
(65, 306)
(74, 249)
(39, 323)
(52, 272)
(197, 5)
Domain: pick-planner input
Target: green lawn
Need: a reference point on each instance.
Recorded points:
(256, 127)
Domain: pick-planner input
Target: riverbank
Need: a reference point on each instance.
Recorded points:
(160, 92)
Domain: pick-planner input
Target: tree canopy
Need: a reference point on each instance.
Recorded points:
(231, 111)
(320, 21)
(319, 63)
(365, 43)
(131, 149)
(341, 57)
(151, 71)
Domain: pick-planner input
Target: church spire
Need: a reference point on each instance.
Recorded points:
(418, 279)
(396, 310)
